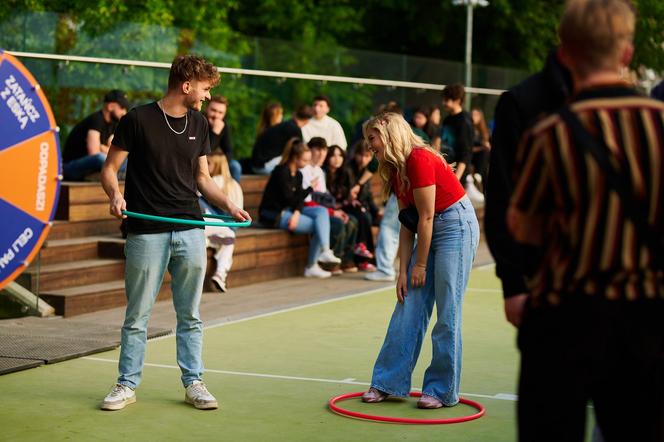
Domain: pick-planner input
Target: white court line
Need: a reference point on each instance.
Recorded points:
(500, 396)
(470, 289)
(485, 266)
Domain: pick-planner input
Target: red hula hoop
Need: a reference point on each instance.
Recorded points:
(404, 420)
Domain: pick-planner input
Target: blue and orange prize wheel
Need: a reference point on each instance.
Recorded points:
(30, 169)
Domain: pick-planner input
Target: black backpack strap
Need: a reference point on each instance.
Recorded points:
(634, 210)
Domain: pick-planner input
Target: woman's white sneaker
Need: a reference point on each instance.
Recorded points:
(316, 272)
(119, 397)
(327, 257)
(198, 395)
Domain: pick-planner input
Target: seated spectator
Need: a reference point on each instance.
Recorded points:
(457, 131)
(273, 114)
(312, 174)
(343, 228)
(419, 123)
(434, 127)
(222, 239)
(324, 126)
(270, 144)
(360, 204)
(390, 106)
(88, 142)
(481, 147)
(282, 206)
(220, 133)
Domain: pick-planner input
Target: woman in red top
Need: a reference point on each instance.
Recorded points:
(433, 272)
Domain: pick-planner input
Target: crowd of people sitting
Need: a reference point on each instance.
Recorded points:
(318, 185)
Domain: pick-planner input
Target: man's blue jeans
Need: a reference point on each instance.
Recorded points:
(148, 256)
(388, 238)
(453, 246)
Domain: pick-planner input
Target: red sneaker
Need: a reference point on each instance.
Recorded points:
(366, 267)
(362, 251)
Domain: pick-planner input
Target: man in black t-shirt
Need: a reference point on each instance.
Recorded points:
(270, 144)
(88, 142)
(167, 143)
(457, 131)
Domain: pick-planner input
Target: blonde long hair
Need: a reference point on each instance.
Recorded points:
(399, 141)
(219, 166)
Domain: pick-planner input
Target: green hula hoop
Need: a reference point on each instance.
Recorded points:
(228, 220)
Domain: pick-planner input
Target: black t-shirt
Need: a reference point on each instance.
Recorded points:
(222, 142)
(271, 143)
(77, 146)
(162, 166)
(457, 134)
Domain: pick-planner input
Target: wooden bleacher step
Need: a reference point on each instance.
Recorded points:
(88, 298)
(66, 250)
(99, 227)
(70, 274)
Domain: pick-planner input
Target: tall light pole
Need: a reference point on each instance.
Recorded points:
(470, 5)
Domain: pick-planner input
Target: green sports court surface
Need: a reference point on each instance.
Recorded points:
(273, 376)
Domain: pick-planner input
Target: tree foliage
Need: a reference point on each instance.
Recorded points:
(306, 36)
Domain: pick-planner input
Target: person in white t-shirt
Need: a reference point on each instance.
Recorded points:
(324, 126)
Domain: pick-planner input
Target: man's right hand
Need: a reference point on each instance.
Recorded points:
(118, 204)
(514, 307)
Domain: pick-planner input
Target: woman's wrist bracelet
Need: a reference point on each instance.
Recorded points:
(424, 266)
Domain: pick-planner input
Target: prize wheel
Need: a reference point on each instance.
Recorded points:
(30, 169)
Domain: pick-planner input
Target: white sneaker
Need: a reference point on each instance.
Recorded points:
(198, 395)
(328, 257)
(219, 282)
(316, 272)
(119, 397)
(474, 195)
(379, 276)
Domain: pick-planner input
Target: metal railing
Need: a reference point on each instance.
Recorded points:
(257, 72)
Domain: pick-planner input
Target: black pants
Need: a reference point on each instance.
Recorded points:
(609, 353)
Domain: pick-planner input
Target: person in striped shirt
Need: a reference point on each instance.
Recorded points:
(592, 328)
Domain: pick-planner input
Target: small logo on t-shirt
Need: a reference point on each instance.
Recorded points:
(192, 138)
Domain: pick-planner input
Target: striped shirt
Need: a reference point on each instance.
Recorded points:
(590, 245)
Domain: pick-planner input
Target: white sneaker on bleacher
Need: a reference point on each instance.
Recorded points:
(119, 397)
(316, 272)
(327, 257)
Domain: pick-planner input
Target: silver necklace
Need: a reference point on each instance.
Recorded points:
(161, 106)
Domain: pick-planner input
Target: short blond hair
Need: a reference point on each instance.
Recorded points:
(593, 32)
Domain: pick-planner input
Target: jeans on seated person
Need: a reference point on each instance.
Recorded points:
(343, 237)
(267, 167)
(388, 238)
(236, 169)
(76, 170)
(314, 220)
